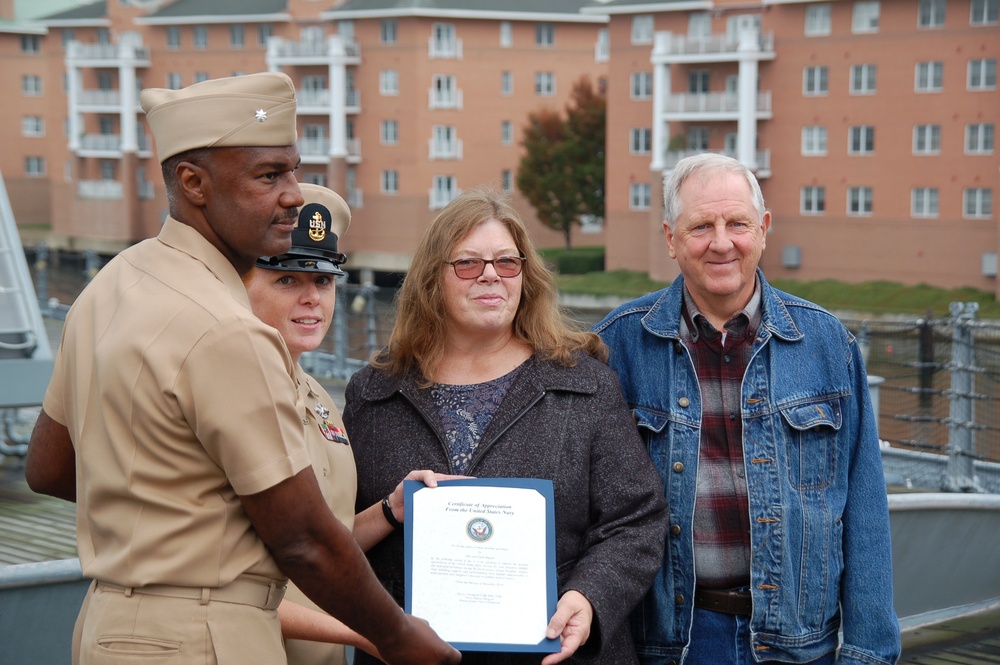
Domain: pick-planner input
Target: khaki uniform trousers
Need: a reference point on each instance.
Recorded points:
(120, 626)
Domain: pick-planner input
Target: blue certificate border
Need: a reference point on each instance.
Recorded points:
(543, 487)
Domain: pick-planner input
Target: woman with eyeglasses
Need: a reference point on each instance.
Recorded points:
(483, 376)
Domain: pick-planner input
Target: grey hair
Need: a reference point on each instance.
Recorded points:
(703, 164)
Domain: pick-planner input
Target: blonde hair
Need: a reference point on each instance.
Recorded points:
(417, 339)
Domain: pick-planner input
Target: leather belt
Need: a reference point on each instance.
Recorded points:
(256, 591)
(727, 601)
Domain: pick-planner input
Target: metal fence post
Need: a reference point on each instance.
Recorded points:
(960, 473)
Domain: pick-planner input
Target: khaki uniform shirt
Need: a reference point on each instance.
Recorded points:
(333, 463)
(178, 400)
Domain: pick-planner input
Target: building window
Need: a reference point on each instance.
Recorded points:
(67, 36)
(506, 180)
(200, 76)
(697, 138)
(924, 202)
(930, 14)
(859, 201)
(200, 37)
(444, 93)
(387, 31)
(545, 84)
(865, 17)
(983, 74)
(814, 81)
(345, 30)
(32, 125)
(506, 83)
(813, 141)
(174, 81)
(506, 34)
(979, 138)
(813, 200)
(173, 37)
(34, 166)
(642, 29)
(390, 182)
(388, 82)
(862, 140)
(640, 141)
(699, 25)
(639, 196)
(927, 139)
(977, 202)
(31, 85)
(642, 85)
(863, 79)
(31, 44)
(390, 132)
(545, 34)
(984, 12)
(818, 20)
(506, 132)
(930, 76)
(264, 32)
(602, 50)
(443, 41)
(236, 36)
(443, 191)
(445, 143)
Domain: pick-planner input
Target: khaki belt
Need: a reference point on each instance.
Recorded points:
(245, 590)
(727, 601)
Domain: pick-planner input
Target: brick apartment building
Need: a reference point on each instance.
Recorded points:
(870, 123)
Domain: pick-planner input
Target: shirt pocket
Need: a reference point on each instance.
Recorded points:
(811, 439)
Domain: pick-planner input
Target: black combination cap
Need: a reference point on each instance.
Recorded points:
(323, 219)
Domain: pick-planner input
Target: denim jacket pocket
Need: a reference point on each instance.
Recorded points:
(812, 442)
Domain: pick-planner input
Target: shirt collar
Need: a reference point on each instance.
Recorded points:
(694, 324)
(186, 239)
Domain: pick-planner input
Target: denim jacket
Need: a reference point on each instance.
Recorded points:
(819, 520)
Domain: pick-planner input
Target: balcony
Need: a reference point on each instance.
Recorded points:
(450, 49)
(313, 51)
(670, 48)
(712, 106)
(314, 150)
(103, 101)
(107, 55)
(110, 146)
(353, 151)
(313, 101)
(439, 99)
(100, 189)
(762, 169)
(444, 149)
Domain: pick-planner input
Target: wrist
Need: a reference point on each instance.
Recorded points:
(388, 514)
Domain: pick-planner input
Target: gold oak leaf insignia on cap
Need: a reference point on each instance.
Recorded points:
(261, 115)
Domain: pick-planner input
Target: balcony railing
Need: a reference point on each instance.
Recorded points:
(99, 189)
(108, 53)
(101, 142)
(444, 149)
(669, 44)
(354, 150)
(313, 49)
(713, 102)
(313, 97)
(444, 49)
(100, 98)
(444, 100)
(314, 147)
(763, 157)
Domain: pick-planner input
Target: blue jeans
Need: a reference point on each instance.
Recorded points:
(724, 639)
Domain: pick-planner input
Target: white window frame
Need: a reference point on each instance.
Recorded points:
(31, 85)
(390, 182)
(506, 83)
(173, 37)
(31, 44)
(861, 140)
(264, 32)
(199, 38)
(506, 34)
(814, 141)
(506, 132)
(388, 31)
(640, 141)
(928, 76)
(977, 203)
(812, 200)
(641, 85)
(199, 77)
(545, 84)
(865, 17)
(444, 143)
(699, 25)
(931, 14)
(980, 138)
(444, 188)
(388, 82)
(859, 201)
(863, 79)
(642, 29)
(506, 180)
(818, 20)
(639, 196)
(389, 132)
(174, 81)
(815, 81)
(982, 74)
(444, 92)
(924, 202)
(444, 42)
(34, 167)
(697, 138)
(545, 35)
(237, 35)
(927, 139)
(32, 126)
(984, 12)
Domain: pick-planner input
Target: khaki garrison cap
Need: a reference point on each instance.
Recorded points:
(323, 219)
(255, 110)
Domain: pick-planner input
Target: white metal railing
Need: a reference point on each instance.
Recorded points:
(106, 52)
(444, 149)
(313, 97)
(713, 102)
(100, 97)
(444, 49)
(313, 146)
(99, 189)
(671, 44)
(444, 100)
(102, 142)
(354, 148)
(311, 48)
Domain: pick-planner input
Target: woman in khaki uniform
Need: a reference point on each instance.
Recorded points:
(295, 293)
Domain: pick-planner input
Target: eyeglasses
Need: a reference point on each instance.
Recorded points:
(505, 266)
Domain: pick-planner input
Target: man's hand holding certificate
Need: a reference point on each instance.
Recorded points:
(480, 562)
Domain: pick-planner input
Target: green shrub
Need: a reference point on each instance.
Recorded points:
(580, 263)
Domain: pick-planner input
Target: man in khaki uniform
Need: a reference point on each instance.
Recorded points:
(173, 420)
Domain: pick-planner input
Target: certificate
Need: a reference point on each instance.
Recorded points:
(480, 562)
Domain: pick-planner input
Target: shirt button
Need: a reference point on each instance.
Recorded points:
(684, 402)
(675, 530)
(305, 421)
(726, 357)
(678, 467)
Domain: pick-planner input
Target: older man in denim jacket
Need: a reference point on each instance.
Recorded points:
(754, 406)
